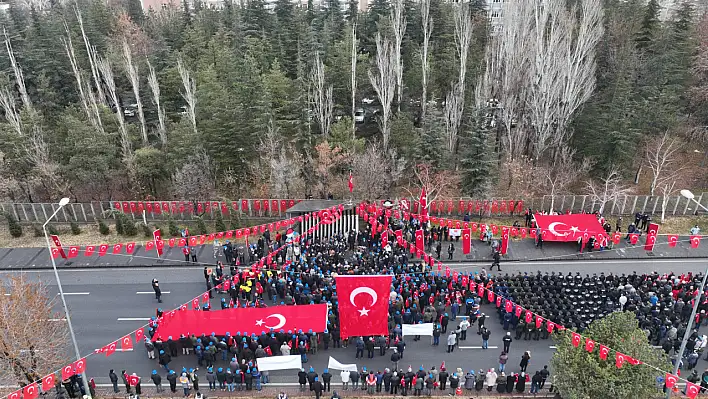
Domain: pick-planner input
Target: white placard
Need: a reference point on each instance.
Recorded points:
(335, 365)
(418, 329)
(291, 362)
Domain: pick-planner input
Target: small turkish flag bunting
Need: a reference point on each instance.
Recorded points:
(673, 240)
(129, 247)
(499, 301)
(518, 311)
(133, 380)
(670, 380)
(205, 297)
(117, 248)
(195, 303)
(695, 241)
(89, 250)
(67, 371)
(604, 351)
(589, 345)
(692, 390)
(539, 321)
(550, 326)
(55, 253)
(15, 395)
(508, 307)
(80, 366)
(73, 251)
(48, 382)
(126, 343)
(30, 391)
(619, 359)
(528, 317)
(575, 339)
(139, 335)
(110, 349)
(102, 249)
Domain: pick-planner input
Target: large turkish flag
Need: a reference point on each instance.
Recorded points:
(568, 227)
(466, 241)
(363, 305)
(245, 320)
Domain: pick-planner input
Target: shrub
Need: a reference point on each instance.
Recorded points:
(129, 228)
(13, 226)
(37, 230)
(103, 228)
(201, 226)
(172, 227)
(52, 229)
(75, 229)
(147, 232)
(120, 219)
(219, 224)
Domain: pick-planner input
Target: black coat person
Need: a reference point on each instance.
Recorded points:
(510, 379)
(114, 380)
(156, 288)
(172, 378)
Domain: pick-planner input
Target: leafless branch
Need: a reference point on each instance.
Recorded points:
(189, 94)
(322, 96)
(383, 80)
(662, 156)
(92, 57)
(155, 90)
(106, 71)
(398, 25)
(427, 23)
(132, 71)
(608, 188)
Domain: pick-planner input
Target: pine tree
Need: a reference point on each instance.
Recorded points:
(649, 26)
(477, 164)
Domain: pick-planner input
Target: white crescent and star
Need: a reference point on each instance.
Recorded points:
(552, 229)
(363, 290)
(281, 321)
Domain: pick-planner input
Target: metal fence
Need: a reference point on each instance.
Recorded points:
(89, 212)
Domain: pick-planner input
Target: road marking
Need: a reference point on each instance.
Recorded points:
(75, 293)
(552, 347)
(151, 292)
(478, 347)
(124, 350)
(133, 319)
(56, 319)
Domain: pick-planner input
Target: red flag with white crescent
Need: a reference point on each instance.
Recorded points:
(73, 251)
(363, 304)
(89, 250)
(139, 335)
(126, 343)
(589, 345)
(351, 182)
(673, 240)
(67, 371)
(695, 241)
(57, 243)
(604, 351)
(80, 365)
(575, 340)
(117, 248)
(48, 382)
(505, 240)
(692, 390)
(30, 391)
(466, 241)
(419, 242)
(670, 380)
(109, 349)
(102, 249)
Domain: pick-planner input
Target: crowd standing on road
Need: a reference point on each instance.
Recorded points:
(304, 275)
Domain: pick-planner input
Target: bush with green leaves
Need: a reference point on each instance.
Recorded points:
(120, 219)
(173, 228)
(13, 226)
(147, 231)
(37, 230)
(129, 228)
(201, 225)
(52, 229)
(75, 229)
(219, 224)
(103, 228)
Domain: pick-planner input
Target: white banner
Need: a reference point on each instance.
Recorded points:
(418, 329)
(290, 362)
(335, 365)
(454, 232)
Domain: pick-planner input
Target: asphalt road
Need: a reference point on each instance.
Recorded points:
(106, 304)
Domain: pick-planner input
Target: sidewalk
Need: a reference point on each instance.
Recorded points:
(519, 250)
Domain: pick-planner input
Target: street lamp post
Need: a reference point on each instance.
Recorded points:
(689, 195)
(62, 203)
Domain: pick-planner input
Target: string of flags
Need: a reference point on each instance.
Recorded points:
(577, 339)
(46, 383)
(158, 244)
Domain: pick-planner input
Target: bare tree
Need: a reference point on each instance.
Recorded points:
(35, 338)
(328, 159)
(106, 71)
(662, 156)
(562, 67)
(437, 183)
(371, 170)
(455, 99)
(558, 176)
(667, 190)
(321, 96)
(131, 70)
(155, 91)
(454, 107)
(383, 80)
(398, 25)
(7, 101)
(608, 188)
(189, 94)
(505, 74)
(195, 176)
(427, 23)
(35, 145)
(88, 101)
(92, 57)
(353, 78)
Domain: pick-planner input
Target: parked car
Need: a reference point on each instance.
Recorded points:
(359, 115)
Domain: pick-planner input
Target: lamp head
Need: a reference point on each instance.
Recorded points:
(63, 201)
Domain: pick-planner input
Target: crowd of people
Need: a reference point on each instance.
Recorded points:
(304, 275)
